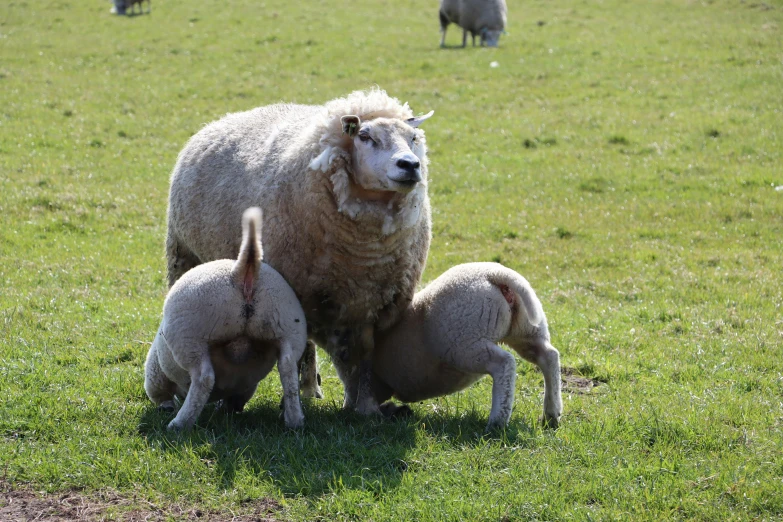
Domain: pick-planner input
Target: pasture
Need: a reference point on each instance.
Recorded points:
(623, 156)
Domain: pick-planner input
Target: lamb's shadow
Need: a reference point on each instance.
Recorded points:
(335, 449)
(468, 427)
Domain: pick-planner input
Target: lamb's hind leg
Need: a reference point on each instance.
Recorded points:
(202, 380)
(160, 389)
(541, 353)
(487, 357)
(289, 379)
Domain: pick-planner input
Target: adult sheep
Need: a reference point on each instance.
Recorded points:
(343, 188)
(486, 18)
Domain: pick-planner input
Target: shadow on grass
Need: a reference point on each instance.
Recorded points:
(335, 449)
(468, 428)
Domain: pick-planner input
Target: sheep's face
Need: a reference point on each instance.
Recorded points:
(388, 155)
(491, 37)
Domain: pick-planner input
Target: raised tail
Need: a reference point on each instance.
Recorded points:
(245, 271)
(520, 296)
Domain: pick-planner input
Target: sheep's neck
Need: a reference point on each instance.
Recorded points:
(364, 194)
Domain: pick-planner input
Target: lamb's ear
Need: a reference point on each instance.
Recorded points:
(418, 120)
(351, 124)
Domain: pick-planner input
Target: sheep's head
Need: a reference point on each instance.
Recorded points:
(491, 37)
(387, 155)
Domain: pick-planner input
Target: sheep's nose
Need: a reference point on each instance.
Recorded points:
(408, 166)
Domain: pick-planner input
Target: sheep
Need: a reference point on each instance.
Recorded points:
(487, 18)
(448, 339)
(120, 7)
(132, 3)
(343, 187)
(225, 323)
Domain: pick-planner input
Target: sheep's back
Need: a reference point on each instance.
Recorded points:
(343, 270)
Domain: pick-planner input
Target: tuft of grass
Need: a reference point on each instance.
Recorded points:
(618, 139)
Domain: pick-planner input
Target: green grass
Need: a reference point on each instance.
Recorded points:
(623, 156)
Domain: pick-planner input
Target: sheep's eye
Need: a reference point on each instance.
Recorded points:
(366, 137)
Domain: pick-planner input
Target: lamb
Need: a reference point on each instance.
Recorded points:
(486, 18)
(448, 339)
(225, 323)
(343, 187)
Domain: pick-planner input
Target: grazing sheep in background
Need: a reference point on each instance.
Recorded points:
(225, 323)
(120, 7)
(343, 187)
(448, 339)
(486, 18)
(132, 3)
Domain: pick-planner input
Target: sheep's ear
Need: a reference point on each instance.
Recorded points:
(351, 124)
(418, 120)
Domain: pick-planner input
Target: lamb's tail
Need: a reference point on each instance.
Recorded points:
(245, 270)
(520, 296)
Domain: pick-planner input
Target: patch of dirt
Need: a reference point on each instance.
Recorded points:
(24, 505)
(572, 381)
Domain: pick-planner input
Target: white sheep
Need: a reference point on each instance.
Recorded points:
(343, 187)
(448, 339)
(486, 18)
(225, 323)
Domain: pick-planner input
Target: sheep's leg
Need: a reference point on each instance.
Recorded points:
(180, 258)
(310, 381)
(547, 358)
(488, 358)
(444, 23)
(349, 376)
(365, 401)
(464, 38)
(160, 389)
(202, 379)
(289, 379)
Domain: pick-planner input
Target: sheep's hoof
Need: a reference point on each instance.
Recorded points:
(549, 422)
(313, 390)
(295, 423)
(367, 406)
(495, 426)
(312, 393)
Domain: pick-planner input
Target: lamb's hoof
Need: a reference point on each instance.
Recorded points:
(394, 411)
(550, 422)
(177, 427)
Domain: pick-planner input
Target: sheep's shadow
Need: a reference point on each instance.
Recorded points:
(334, 450)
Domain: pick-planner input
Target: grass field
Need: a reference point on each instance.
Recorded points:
(623, 156)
